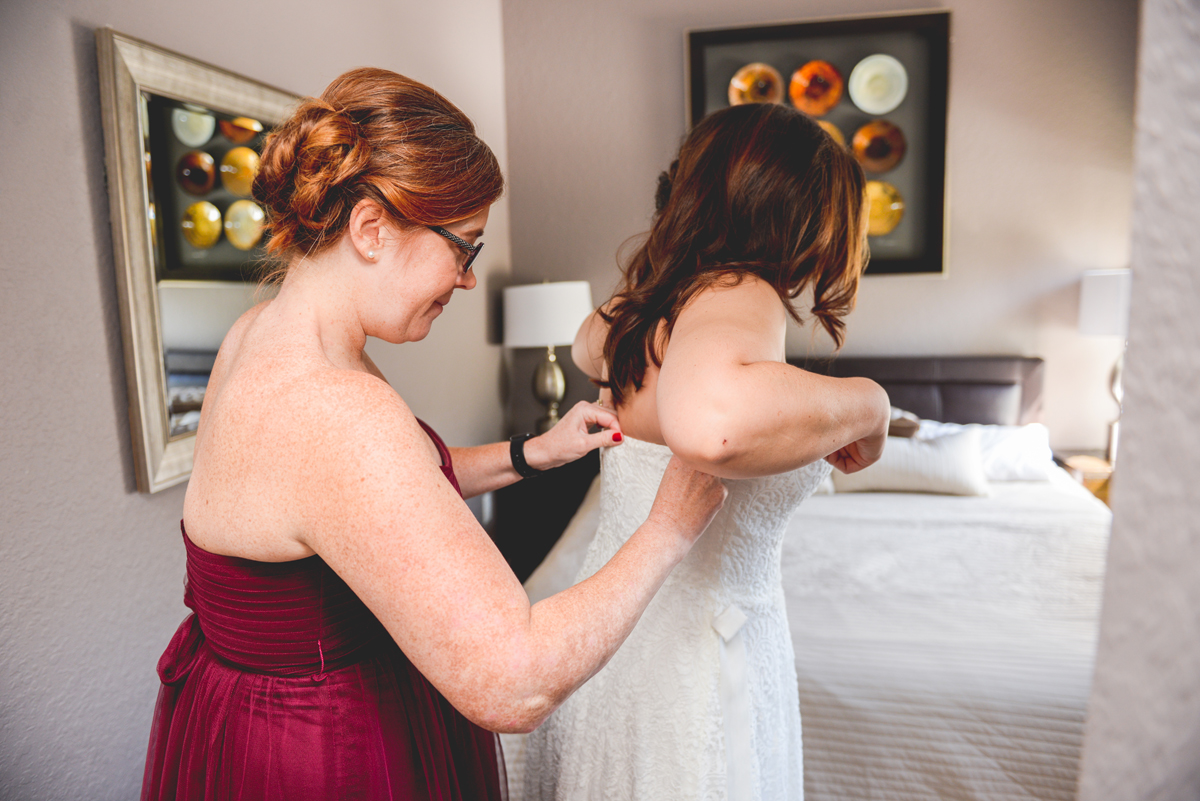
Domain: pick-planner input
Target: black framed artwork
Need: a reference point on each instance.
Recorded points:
(878, 85)
(182, 142)
(207, 227)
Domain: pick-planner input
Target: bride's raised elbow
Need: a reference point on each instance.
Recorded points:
(708, 442)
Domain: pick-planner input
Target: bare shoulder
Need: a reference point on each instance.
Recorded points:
(360, 410)
(363, 445)
(237, 332)
(293, 457)
(750, 301)
(704, 382)
(588, 349)
(746, 321)
(232, 343)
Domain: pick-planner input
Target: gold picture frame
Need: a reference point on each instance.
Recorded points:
(130, 71)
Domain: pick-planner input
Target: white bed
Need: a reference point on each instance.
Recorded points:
(944, 644)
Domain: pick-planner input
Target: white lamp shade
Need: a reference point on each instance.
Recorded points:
(540, 315)
(1104, 302)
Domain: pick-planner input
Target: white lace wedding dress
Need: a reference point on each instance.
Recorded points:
(701, 701)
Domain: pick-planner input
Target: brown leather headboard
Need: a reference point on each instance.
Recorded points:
(1004, 390)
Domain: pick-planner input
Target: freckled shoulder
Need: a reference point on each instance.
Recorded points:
(238, 329)
(355, 412)
(232, 342)
(360, 424)
(365, 459)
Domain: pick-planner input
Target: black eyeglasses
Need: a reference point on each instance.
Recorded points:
(471, 250)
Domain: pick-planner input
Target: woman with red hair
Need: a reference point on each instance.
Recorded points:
(355, 632)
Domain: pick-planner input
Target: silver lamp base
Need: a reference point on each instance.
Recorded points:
(549, 387)
(1117, 387)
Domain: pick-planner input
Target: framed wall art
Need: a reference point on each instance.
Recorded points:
(182, 141)
(878, 85)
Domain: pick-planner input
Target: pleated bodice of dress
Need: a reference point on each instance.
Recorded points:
(279, 618)
(283, 686)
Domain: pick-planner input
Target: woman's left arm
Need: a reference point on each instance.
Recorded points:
(485, 468)
(489, 467)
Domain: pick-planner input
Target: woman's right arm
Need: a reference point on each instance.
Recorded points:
(383, 516)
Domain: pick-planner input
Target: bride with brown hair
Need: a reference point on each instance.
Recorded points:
(761, 212)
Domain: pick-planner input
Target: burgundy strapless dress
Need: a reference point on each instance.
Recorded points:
(282, 686)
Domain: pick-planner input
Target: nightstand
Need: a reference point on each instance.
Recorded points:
(1089, 468)
(531, 514)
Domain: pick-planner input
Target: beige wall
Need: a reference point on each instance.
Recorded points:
(1040, 153)
(91, 573)
(1142, 739)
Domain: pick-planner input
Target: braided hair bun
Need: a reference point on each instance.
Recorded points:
(377, 135)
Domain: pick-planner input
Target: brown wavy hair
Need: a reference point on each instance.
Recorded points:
(757, 190)
(372, 134)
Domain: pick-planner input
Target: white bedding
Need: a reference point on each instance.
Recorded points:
(944, 644)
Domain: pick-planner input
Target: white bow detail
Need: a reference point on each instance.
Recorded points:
(735, 703)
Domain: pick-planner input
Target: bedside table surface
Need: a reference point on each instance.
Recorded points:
(1089, 465)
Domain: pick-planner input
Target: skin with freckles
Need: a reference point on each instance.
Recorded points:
(725, 400)
(303, 448)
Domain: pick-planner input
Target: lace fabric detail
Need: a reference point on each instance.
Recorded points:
(650, 723)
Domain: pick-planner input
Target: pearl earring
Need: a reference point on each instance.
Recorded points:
(370, 254)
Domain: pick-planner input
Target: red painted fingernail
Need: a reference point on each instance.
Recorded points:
(617, 436)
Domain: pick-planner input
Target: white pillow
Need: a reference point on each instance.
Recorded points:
(903, 424)
(949, 465)
(1010, 453)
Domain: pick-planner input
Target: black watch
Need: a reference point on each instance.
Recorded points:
(516, 451)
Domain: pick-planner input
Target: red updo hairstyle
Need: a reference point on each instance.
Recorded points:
(372, 134)
(758, 189)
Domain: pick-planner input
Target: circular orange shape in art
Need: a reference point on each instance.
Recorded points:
(756, 83)
(244, 222)
(238, 169)
(240, 130)
(816, 88)
(879, 146)
(196, 172)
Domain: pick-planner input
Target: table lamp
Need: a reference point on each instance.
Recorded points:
(545, 316)
(1104, 311)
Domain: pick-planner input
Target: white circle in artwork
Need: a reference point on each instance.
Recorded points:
(193, 128)
(878, 84)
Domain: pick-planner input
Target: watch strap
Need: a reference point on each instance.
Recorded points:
(516, 451)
